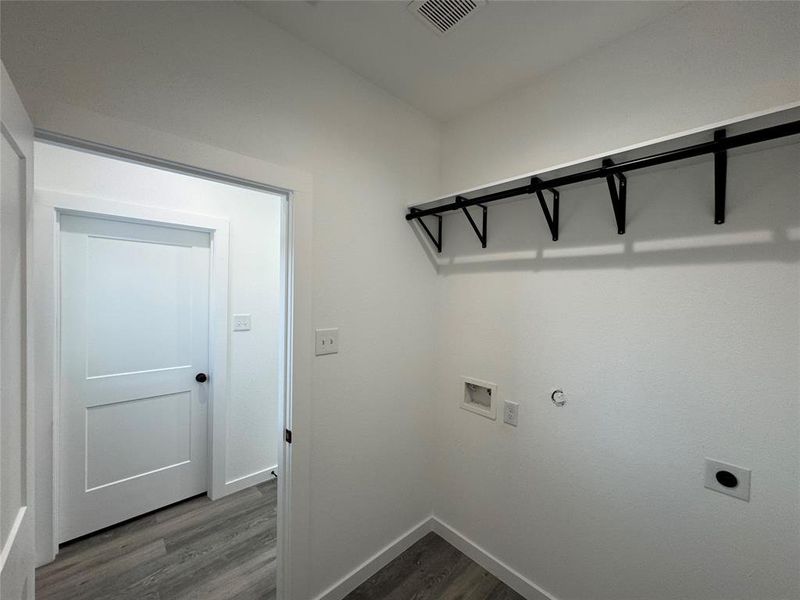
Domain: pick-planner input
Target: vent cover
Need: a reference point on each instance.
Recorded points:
(443, 15)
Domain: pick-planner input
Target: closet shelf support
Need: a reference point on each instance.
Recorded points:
(720, 177)
(435, 239)
(615, 175)
(481, 233)
(619, 195)
(537, 186)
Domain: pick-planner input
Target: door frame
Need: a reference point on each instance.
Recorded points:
(17, 551)
(49, 207)
(197, 159)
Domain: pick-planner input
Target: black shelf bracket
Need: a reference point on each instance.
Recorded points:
(481, 233)
(720, 177)
(614, 174)
(619, 195)
(437, 240)
(551, 218)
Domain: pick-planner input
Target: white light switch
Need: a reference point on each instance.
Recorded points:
(241, 322)
(327, 341)
(511, 413)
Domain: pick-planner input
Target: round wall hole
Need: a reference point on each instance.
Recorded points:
(727, 479)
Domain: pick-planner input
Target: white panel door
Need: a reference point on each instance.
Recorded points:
(16, 439)
(134, 335)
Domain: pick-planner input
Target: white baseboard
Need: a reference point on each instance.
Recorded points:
(513, 579)
(247, 481)
(519, 583)
(376, 562)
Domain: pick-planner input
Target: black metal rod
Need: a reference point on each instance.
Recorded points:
(717, 145)
(720, 179)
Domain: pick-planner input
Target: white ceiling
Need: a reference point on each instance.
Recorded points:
(502, 47)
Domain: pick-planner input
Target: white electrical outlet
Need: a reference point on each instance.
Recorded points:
(327, 341)
(241, 322)
(728, 479)
(511, 413)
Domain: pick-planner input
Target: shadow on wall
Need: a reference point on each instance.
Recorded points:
(670, 220)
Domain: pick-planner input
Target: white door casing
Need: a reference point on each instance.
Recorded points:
(16, 414)
(159, 148)
(134, 334)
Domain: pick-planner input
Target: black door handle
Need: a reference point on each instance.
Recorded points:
(201, 378)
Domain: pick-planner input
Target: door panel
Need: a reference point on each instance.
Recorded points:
(134, 333)
(119, 440)
(140, 303)
(16, 470)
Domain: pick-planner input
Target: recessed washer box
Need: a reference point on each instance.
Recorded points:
(479, 397)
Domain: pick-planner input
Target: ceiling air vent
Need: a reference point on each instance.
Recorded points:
(444, 15)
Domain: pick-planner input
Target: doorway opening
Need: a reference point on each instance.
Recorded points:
(170, 396)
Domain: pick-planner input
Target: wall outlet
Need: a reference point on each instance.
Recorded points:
(511, 413)
(327, 341)
(241, 322)
(728, 479)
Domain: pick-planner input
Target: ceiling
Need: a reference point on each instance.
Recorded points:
(502, 47)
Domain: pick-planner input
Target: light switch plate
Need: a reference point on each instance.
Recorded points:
(241, 322)
(728, 479)
(511, 413)
(327, 341)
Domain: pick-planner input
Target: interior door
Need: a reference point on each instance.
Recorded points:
(134, 342)
(16, 439)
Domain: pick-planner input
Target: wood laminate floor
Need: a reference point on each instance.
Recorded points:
(196, 549)
(432, 569)
(225, 550)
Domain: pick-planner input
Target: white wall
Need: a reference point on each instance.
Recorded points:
(705, 63)
(216, 73)
(255, 255)
(599, 499)
(675, 342)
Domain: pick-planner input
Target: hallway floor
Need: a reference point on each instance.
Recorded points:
(196, 549)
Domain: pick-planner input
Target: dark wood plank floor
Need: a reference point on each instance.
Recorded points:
(433, 570)
(197, 549)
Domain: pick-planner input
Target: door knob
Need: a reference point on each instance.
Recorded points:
(201, 378)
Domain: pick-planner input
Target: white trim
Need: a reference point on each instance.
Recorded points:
(48, 205)
(283, 556)
(8, 546)
(80, 204)
(616, 151)
(376, 562)
(512, 578)
(17, 562)
(246, 481)
(293, 460)
(105, 150)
